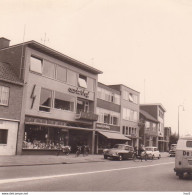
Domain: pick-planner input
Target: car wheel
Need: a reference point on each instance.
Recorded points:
(105, 156)
(159, 156)
(120, 157)
(181, 176)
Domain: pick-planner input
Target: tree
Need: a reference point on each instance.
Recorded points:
(173, 139)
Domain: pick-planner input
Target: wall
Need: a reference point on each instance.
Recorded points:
(13, 110)
(10, 147)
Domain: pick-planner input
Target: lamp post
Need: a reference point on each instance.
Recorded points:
(178, 117)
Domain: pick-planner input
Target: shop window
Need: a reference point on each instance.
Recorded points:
(45, 100)
(4, 95)
(3, 136)
(61, 74)
(36, 64)
(64, 101)
(82, 106)
(82, 81)
(48, 69)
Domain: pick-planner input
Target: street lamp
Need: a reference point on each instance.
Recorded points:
(178, 117)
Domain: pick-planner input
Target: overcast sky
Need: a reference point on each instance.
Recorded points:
(143, 44)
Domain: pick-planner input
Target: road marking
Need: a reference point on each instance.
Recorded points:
(4, 181)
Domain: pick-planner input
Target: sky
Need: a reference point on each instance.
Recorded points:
(143, 44)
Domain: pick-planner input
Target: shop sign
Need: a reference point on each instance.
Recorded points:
(87, 116)
(78, 91)
(102, 126)
(45, 121)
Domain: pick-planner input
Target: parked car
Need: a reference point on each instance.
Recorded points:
(154, 151)
(119, 151)
(172, 150)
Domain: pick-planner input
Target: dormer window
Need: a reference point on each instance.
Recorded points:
(82, 81)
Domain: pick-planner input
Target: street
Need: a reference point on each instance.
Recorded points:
(156, 175)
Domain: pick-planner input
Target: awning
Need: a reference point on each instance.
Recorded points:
(111, 135)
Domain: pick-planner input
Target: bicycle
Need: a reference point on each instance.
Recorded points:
(78, 152)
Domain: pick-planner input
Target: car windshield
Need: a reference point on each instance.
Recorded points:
(119, 146)
(149, 149)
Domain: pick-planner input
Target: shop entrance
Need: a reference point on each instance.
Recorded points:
(79, 138)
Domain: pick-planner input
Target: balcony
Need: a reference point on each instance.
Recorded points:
(86, 116)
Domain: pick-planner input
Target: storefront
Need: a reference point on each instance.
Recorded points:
(107, 136)
(48, 136)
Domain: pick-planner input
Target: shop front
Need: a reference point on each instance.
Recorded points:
(48, 136)
(107, 136)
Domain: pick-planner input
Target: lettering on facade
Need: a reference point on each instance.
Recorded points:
(45, 121)
(87, 116)
(103, 126)
(78, 91)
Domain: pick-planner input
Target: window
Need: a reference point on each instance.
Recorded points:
(4, 95)
(147, 124)
(135, 116)
(3, 136)
(36, 64)
(64, 101)
(125, 95)
(49, 69)
(61, 74)
(82, 81)
(189, 144)
(123, 129)
(82, 106)
(45, 100)
(131, 97)
(71, 78)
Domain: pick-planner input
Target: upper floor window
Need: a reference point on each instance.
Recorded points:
(82, 106)
(131, 97)
(3, 136)
(36, 64)
(45, 100)
(4, 95)
(82, 81)
(64, 101)
(48, 69)
(61, 74)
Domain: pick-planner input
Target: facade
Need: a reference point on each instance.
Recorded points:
(157, 111)
(11, 91)
(167, 134)
(59, 98)
(129, 116)
(109, 115)
(148, 129)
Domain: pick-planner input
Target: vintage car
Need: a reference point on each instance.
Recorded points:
(172, 150)
(153, 151)
(119, 151)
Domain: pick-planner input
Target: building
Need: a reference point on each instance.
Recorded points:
(129, 116)
(157, 111)
(148, 129)
(11, 91)
(59, 98)
(167, 134)
(109, 115)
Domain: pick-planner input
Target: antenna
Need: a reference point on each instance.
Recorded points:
(144, 90)
(45, 39)
(22, 52)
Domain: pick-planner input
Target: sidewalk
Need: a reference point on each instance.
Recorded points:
(32, 160)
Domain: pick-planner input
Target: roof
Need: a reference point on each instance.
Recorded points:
(102, 85)
(42, 48)
(124, 86)
(7, 74)
(148, 116)
(155, 104)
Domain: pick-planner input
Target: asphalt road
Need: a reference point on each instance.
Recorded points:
(116, 176)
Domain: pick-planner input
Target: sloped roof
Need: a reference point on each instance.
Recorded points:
(148, 116)
(8, 75)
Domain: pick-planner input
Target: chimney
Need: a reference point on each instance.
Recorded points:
(4, 43)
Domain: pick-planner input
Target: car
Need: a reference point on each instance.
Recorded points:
(119, 151)
(154, 151)
(172, 150)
